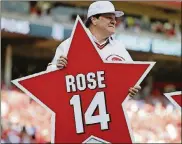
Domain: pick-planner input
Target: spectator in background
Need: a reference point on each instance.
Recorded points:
(34, 10)
(40, 8)
(169, 29)
(177, 28)
(157, 27)
(44, 7)
(33, 139)
(137, 25)
(129, 22)
(145, 23)
(25, 138)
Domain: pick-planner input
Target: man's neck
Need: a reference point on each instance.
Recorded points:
(98, 35)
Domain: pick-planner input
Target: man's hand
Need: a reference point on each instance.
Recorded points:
(62, 62)
(134, 90)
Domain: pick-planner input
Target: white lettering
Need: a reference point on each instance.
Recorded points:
(92, 83)
(70, 83)
(81, 81)
(100, 79)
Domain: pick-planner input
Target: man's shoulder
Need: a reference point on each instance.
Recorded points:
(118, 42)
(65, 42)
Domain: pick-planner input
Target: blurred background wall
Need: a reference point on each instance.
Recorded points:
(30, 34)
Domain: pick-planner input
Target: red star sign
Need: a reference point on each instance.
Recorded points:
(86, 97)
(175, 98)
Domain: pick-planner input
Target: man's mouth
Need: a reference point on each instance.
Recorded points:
(112, 26)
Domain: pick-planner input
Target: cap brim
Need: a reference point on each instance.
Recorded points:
(118, 13)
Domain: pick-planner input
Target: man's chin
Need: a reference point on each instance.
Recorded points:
(111, 32)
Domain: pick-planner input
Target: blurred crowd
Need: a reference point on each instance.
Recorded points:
(22, 119)
(154, 120)
(67, 13)
(144, 24)
(127, 22)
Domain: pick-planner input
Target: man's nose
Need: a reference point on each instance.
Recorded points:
(113, 21)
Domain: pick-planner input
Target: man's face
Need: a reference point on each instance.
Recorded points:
(107, 23)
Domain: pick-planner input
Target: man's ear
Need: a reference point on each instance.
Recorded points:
(94, 20)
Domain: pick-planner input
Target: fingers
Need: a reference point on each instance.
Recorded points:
(63, 57)
(62, 62)
(138, 87)
(134, 90)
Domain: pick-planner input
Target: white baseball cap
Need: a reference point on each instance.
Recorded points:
(100, 7)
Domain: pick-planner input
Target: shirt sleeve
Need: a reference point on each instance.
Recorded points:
(128, 56)
(60, 51)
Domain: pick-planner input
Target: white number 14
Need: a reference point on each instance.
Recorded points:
(103, 118)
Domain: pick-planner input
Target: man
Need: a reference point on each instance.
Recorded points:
(101, 22)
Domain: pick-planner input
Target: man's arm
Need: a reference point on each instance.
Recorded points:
(53, 65)
(60, 56)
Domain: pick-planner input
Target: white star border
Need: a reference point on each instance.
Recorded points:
(170, 95)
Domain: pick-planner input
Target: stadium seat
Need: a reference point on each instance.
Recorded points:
(20, 7)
